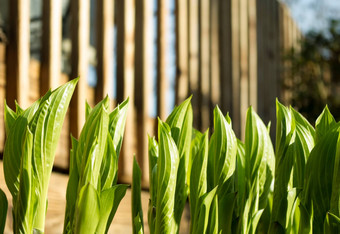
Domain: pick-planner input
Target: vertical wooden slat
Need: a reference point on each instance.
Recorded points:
(182, 51)
(204, 76)
(260, 15)
(143, 74)
(225, 42)
(235, 56)
(51, 46)
(125, 80)
(162, 57)
(244, 64)
(18, 53)
(194, 59)
(80, 26)
(215, 86)
(105, 11)
(252, 50)
(50, 64)
(273, 77)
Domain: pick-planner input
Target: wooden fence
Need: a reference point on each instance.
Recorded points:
(229, 53)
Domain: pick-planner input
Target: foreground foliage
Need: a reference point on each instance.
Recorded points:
(32, 138)
(93, 194)
(243, 187)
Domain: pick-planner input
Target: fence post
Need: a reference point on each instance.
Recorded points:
(204, 67)
(51, 46)
(182, 51)
(163, 13)
(252, 50)
(244, 64)
(125, 80)
(194, 59)
(143, 78)
(18, 53)
(105, 26)
(80, 26)
(215, 64)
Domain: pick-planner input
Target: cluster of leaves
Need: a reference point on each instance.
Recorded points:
(243, 187)
(312, 72)
(32, 138)
(93, 195)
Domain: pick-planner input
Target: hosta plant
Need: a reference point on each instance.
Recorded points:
(32, 138)
(93, 194)
(245, 187)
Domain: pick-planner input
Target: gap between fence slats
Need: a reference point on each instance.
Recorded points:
(226, 55)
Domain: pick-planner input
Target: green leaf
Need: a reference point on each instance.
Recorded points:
(222, 150)
(23, 206)
(136, 203)
(180, 123)
(332, 224)
(167, 167)
(109, 202)
(109, 167)
(153, 157)
(117, 124)
(321, 176)
(87, 213)
(119, 193)
(92, 142)
(198, 177)
(88, 110)
(285, 151)
(9, 117)
(304, 143)
(46, 127)
(324, 123)
(72, 188)
(204, 211)
(3, 212)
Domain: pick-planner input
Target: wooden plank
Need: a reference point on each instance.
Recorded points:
(204, 76)
(260, 19)
(235, 58)
(252, 50)
(144, 70)
(215, 64)
(163, 13)
(105, 19)
(18, 53)
(51, 46)
(244, 65)
(226, 68)
(194, 60)
(80, 10)
(182, 51)
(125, 79)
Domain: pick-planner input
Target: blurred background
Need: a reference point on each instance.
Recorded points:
(230, 53)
